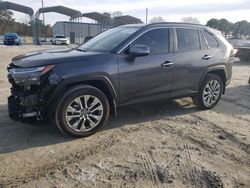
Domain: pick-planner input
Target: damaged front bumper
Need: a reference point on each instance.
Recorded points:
(30, 92)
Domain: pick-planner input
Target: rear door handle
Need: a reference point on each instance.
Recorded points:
(167, 64)
(207, 57)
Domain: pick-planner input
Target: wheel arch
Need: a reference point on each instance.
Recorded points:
(219, 71)
(100, 82)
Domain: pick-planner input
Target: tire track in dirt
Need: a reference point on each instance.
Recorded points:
(207, 147)
(200, 176)
(194, 173)
(245, 147)
(161, 173)
(149, 169)
(189, 170)
(42, 171)
(39, 172)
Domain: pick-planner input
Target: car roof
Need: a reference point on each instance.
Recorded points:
(164, 24)
(173, 24)
(10, 33)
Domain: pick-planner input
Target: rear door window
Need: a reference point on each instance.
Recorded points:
(187, 39)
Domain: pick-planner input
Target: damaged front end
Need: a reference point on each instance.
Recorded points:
(30, 92)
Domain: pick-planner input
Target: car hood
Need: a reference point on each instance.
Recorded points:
(52, 57)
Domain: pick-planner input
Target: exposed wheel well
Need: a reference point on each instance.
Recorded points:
(101, 86)
(222, 75)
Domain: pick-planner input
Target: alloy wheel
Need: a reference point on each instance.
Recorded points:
(211, 93)
(84, 113)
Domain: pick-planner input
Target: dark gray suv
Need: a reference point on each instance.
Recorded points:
(77, 89)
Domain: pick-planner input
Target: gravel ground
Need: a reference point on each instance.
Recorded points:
(161, 144)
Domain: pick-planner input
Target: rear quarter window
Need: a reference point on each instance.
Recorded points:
(187, 39)
(211, 41)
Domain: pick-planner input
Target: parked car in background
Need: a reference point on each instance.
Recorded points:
(243, 53)
(77, 89)
(11, 39)
(60, 39)
(242, 49)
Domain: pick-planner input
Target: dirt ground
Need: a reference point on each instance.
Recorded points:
(161, 144)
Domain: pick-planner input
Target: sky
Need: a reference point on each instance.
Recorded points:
(170, 10)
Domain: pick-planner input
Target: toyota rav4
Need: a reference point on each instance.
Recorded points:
(77, 89)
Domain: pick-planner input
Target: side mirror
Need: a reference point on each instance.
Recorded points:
(137, 51)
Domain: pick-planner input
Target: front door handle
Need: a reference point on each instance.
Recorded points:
(207, 57)
(167, 64)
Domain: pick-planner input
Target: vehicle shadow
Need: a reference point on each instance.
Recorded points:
(15, 136)
(151, 111)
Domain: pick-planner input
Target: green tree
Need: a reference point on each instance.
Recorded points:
(5, 20)
(226, 27)
(242, 29)
(213, 23)
(47, 30)
(19, 28)
(223, 25)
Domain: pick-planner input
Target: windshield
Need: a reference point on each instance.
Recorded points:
(60, 37)
(14, 35)
(108, 40)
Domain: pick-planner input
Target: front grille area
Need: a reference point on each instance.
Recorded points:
(13, 108)
(27, 100)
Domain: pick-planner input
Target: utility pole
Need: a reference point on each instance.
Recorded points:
(146, 15)
(43, 21)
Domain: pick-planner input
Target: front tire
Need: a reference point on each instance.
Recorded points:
(210, 92)
(82, 111)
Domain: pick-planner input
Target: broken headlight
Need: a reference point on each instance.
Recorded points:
(29, 76)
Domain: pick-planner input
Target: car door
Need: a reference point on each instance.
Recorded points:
(191, 59)
(148, 77)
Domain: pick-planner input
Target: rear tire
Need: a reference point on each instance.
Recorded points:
(210, 92)
(82, 111)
